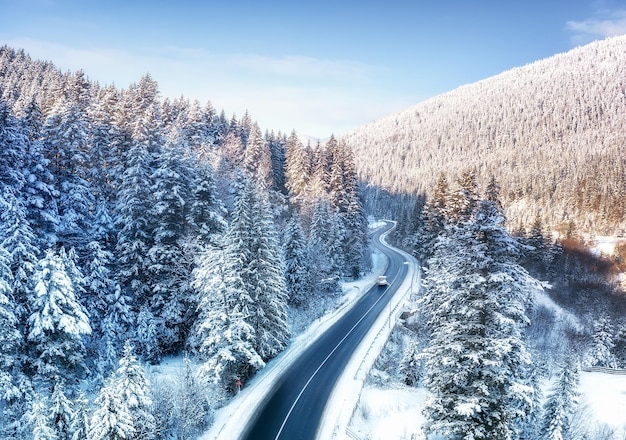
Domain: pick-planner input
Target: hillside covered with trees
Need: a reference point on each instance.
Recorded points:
(134, 227)
(552, 133)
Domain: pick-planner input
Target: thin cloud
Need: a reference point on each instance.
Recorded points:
(604, 24)
(303, 67)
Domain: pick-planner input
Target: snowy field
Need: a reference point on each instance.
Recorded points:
(395, 413)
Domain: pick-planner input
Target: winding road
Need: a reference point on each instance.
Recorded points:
(293, 410)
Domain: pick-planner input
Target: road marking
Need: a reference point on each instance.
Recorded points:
(325, 360)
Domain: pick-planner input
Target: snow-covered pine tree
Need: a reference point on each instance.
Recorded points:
(475, 301)
(320, 178)
(39, 194)
(145, 333)
(61, 412)
(134, 223)
(278, 152)
(326, 239)
(17, 238)
(80, 420)
(435, 214)
(257, 161)
(297, 170)
(99, 284)
(410, 364)
(192, 406)
(57, 323)
(464, 198)
(620, 346)
(601, 351)
(225, 340)
(12, 153)
(102, 295)
(356, 238)
(133, 388)
(561, 402)
(10, 337)
(206, 213)
(297, 264)
(252, 251)
(537, 256)
(102, 134)
(116, 327)
(111, 419)
(38, 420)
(65, 138)
(528, 427)
(169, 266)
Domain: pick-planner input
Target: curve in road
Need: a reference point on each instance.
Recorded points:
(293, 410)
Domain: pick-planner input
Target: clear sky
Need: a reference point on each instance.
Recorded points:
(318, 67)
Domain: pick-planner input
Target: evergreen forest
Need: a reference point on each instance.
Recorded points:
(133, 228)
(136, 229)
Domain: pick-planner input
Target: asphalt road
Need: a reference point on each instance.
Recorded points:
(292, 411)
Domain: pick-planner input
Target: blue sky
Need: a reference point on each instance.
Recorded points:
(318, 67)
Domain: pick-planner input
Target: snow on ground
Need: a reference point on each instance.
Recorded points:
(228, 426)
(395, 413)
(605, 394)
(384, 414)
(560, 314)
(605, 245)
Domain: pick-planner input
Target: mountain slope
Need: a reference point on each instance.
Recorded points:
(553, 133)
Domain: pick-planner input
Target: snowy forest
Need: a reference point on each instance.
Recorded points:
(136, 229)
(500, 314)
(133, 228)
(500, 189)
(552, 133)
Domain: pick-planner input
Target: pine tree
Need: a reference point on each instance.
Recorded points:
(297, 170)
(132, 218)
(436, 216)
(297, 265)
(17, 238)
(10, 337)
(206, 213)
(65, 137)
(225, 340)
(38, 420)
(12, 153)
(326, 242)
(80, 420)
(561, 403)
(475, 362)
(146, 335)
(111, 420)
(169, 265)
(410, 364)
(102, 134)
(39, 199)
(464, 199)
(192, 405)
(252, 240)
(117, 324)
(99, 284)
(133, 388)
(61, 412)
(257, 160)
(601, 350)
(57, 323)
(620, 346)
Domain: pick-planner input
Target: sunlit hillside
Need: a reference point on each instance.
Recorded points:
(552, 132)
